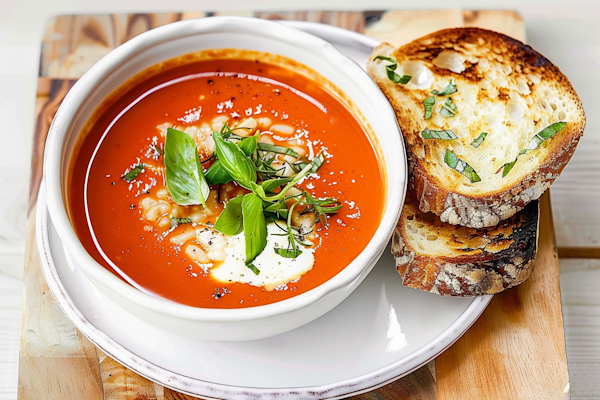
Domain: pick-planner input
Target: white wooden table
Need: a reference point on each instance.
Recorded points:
(568, 33)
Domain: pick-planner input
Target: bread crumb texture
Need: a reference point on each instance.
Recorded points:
(503, 88)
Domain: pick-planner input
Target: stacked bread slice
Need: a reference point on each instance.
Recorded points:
(489, 124)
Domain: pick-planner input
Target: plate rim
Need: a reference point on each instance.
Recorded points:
(206, 389)
(198, 387)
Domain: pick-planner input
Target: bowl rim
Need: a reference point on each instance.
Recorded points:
(53, 155)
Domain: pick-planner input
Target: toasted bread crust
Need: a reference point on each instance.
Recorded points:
(443, 191)
(475, 261)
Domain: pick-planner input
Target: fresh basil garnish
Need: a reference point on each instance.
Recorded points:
(288, 253)
(272, 184)
(278, 149)
(428, 103)
(479, 139)
(255, 226)
(294, 235)
(277, 210)
(234, 160)
(316, 163)
(183, 170)
(460, 166)
(217, 174)
(448, 108)
(451, 88)
(253, 269)
(135, 171)
(231, 222)
(175, 222)
(321, 207)
(535, 142)
(433, 134)
(249, 145)
(391, 70)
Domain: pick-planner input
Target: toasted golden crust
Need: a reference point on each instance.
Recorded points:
(452, 260)
(504, 88)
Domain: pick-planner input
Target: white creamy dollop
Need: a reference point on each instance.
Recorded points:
(275, 270)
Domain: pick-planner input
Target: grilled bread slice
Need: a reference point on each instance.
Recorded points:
(452, 260)
(510, 104)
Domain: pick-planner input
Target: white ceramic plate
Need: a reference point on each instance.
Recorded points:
(379, 333)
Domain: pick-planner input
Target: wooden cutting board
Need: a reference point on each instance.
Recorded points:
(516, 350)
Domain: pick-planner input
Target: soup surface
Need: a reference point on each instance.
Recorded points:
(125, 214)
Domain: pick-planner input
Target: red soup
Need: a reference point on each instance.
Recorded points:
(231, 130)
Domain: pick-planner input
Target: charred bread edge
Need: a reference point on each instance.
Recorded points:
(467, 276)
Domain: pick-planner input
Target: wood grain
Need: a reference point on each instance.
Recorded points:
(519, 338)
(57, 362)
(50, 94)
(581, 309)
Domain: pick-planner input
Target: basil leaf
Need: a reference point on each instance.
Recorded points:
(545, 134)
(432, 134)
(272, 184)
(288, 253)
(234, 160)
(278, 149)
(451, 88)
(253, 269)
(428, 103)
(135, 171)
(183, 170)
(249, 145)
(255, 226)
(175, 222)
(317, 162)
(479, 139)
(279, 209)
(230, 222)
(550, 131)
(507, 167)
(217, 174)
(460, 166)
(448, 108)
(391, 68)
(258, 190)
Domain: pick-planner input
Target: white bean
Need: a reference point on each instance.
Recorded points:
(264, 122)
(283, 168)
(157, 210)
(282, 129)
(162, 193)
(305, 223)
(211, 239)
(218, 122)
(266, 139)
(249, 123)
(198, 216)
(197, 254)
(183, 237)
(147, 202)
(164, 222)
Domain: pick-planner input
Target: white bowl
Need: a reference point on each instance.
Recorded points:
(185, 37)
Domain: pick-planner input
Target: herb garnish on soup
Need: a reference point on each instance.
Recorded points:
(225, 182)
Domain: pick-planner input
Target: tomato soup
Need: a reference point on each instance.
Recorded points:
(126, 214)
